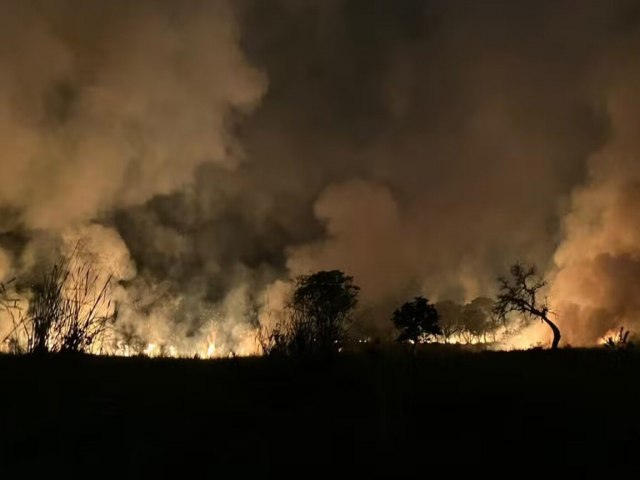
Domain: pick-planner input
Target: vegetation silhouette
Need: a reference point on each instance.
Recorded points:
(619, 341)
(417, 321)
(317, 316)
(70, 311)
(449, 319)
(478, 320)
(369, 409)
(520, 293)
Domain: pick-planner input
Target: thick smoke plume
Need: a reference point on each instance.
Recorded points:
(107, 104)
(598, 264)
(208, 151)
(459, 138)
(104, 106)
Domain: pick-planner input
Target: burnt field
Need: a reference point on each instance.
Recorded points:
(375, 412)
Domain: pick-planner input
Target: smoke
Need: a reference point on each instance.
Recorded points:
(104, 106)
(598, 264)
(440, 142)
(358, 241)
(206, 152)
(437, 142)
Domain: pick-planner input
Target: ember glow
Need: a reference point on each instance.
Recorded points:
(205, 154)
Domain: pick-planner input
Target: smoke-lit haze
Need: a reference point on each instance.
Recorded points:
(209, 151)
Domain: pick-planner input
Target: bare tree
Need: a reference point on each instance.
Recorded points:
(520, 294)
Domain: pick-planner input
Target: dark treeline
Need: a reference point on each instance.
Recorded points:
(321, 310)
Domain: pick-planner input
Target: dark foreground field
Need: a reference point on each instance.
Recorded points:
(377, 414)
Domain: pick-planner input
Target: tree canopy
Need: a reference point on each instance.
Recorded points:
(319, 313)
(417, 321)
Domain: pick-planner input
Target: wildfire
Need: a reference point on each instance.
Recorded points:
(211, 350)
(208, 348)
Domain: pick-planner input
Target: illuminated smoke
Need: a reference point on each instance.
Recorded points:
(420, 146)
(598, 264)
(103, 106)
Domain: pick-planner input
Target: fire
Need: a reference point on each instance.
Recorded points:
(151, 350)
(205, 350)
(616, 336)
(208, 347)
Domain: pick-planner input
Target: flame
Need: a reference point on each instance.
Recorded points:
(616, 335)
(152, 350)
(530, 336)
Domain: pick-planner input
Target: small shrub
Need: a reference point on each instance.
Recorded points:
(619, 340)
(70, 311)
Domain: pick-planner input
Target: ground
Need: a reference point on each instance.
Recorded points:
(376, 413)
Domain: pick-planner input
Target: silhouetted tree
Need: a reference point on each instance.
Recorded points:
(326, 299)
(520, 294)
(449, 318)
(478, 318)
(417, 321)
(473, 323)
(317, 316)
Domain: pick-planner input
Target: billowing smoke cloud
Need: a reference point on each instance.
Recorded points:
(420, 146)
(106, 105)
(443, 141)
(598, 264)
(439, 142)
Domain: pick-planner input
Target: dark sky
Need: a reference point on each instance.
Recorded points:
(210, 150)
